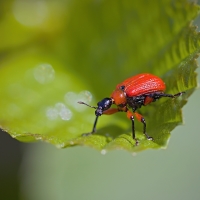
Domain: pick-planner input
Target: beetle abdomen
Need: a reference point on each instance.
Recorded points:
(142, 84)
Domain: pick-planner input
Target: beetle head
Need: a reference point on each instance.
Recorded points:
(102, 105)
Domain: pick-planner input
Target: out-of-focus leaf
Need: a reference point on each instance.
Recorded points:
(81, 54)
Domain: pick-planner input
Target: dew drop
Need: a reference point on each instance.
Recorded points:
(103, 151)
(14, 136)
(52, 113)
(63, 111)
(65, 114)
(85, 96)
(72, 98)
(59, 111)
(134, 154)
(61, 145)
(30, 13)
(59, 106)
(44, 73)
(38, 137)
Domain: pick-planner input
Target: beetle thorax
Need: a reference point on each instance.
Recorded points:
(119, 97)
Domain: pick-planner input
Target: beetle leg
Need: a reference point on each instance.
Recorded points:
(173, 95)
(148, 100)
(158, 95)
(94, 126)
(141, 119)
(93, 129)
(111, 111)
(131, 117)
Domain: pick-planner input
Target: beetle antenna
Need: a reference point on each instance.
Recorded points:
(81, 102)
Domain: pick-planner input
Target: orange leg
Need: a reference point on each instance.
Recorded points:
(110, 111)
(148, 100)
(140, 118)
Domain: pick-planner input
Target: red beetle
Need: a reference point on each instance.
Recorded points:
(134, 92)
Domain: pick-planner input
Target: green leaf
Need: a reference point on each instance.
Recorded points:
(81, 54)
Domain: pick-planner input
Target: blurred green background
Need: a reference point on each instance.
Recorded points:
(40, 171)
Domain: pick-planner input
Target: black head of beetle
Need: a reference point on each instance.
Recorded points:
(103, 105)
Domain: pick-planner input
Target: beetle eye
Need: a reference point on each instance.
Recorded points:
(122, 87)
